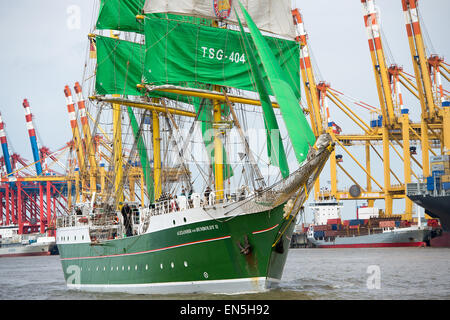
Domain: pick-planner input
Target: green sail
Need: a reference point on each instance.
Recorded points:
(120, 15)
(275, 147)
(180, 52)
(300, 133)
(142, 150)
(119, 66)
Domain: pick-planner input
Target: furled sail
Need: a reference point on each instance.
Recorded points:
(300, 133)
(270, 15)
(275, 147)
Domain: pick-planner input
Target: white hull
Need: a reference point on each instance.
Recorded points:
(25, 250)
(234, 286)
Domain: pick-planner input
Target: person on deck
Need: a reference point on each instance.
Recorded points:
(207, 193)
(126, 214)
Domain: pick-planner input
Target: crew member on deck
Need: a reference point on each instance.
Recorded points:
(126, 214)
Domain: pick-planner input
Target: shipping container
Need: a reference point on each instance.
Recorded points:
(356, 226)
(330, 233)
(346, 222)
(387, 224)
(446, 185)
(440, 158)
(437, 167)
(397, 224)
(437, 173)
(405, 223)
(354, 222)
(445, 178)
(319, 234)
(322, 227)
(334, 221)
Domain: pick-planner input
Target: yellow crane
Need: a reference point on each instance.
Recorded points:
(392, 126)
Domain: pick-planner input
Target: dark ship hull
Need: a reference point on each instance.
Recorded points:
(437, 207)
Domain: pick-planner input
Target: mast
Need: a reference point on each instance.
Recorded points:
(32, 134)
(117, 142)
(156, 154)
(118, 159)
(218, 145)
(218, 149)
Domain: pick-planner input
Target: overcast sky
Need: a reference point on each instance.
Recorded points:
(44, 47)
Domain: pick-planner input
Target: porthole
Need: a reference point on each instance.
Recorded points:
(128, 268)
(185, 264)
(146, 267)
(184, 219)
(135, 267)
(161, 265)
(172, 265)
(173, 222)
(123, 268)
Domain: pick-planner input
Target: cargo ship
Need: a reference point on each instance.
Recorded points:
(368, 230)
(433, 194)
(188, 238)
(13, 244)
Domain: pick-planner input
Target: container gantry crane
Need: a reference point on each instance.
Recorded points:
(392, 125)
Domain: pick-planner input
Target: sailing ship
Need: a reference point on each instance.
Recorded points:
(190, 63)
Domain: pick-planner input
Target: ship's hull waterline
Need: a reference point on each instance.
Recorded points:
(404, 238)
(204, 256)
(24, 251)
